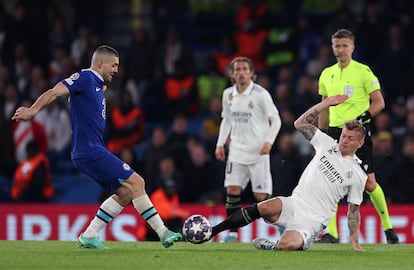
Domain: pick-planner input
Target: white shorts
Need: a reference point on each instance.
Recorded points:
(293, 218)
(257, 173)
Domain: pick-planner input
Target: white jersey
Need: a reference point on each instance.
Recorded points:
(249, 114)
(327, 179)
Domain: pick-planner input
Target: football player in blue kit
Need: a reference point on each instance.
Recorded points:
(89, 154)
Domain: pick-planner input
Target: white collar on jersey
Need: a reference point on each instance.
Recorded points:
(248, 90)
(94, 72)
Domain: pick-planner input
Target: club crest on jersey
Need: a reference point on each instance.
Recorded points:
(349, 174)
(230, 98)
(250, 105)
(126, 167)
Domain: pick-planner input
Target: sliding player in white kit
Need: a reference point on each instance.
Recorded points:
(333, 173)
(252, 121)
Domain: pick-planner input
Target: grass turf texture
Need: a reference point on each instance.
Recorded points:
(208, 256)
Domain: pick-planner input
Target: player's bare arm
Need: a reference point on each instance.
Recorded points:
(305, 122)
(306, 127)
(323, 119)
(377, 102)
(24, 113)
(354, 220)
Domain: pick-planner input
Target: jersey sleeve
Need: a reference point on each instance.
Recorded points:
(321, 139)
(371, 82)
(321, 84)
(356, 191)
(74, 82)
(226, 113)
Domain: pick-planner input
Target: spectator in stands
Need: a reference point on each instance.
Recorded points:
(142, 50)
(17, 31)
(127, 125)
(200, 184)
(252, 9)
(280, 47)
(26, 131)
(410, 122)
(60, 36)
(250, 42)
(398, 120)
(168, 204)
(157, 148)
(167, 170)
(211, 124)
(61, 66)
(370, 30)
(79, 45)
(286, 165)
(171, 50)
(308, 38)
(56, 120)
(181, 95)
(395, 66)
(323, 59)
(225, 53)
(210, 84)
(402, 177)
(9, 101)
(306, 94)
(381, 122)
(178, 138)
(384, 157)
(32, 180)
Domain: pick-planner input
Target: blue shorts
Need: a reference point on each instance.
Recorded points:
(105, 168)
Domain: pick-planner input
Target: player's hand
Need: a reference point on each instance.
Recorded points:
(357, 247)
(265, 150)
(220, 153)
(22, 114)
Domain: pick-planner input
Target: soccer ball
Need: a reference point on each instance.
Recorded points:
(197, 229)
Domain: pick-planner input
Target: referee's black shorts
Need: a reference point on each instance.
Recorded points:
(365, 152)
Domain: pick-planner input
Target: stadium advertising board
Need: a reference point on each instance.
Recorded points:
(65, 222)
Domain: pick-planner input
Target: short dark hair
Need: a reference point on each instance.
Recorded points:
(105, 49)
(344, 33)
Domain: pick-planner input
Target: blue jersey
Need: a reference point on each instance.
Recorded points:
(88, 112)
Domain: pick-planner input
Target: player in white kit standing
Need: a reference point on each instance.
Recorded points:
(250, 124)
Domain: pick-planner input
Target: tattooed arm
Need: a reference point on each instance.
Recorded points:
(305, 122)
(354, 220)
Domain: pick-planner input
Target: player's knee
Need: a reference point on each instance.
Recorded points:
(136, 182)
(288, 244)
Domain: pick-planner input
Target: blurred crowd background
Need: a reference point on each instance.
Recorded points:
(163, 108)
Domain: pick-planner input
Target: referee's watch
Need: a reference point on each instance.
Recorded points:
(365, 116)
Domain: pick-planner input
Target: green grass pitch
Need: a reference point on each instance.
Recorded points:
(208, 256)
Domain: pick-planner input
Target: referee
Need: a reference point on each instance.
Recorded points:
(356, 80)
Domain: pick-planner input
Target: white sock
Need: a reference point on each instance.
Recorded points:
(107, 211)
(145, 208)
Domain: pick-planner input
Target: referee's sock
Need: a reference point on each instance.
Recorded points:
(377, 198)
